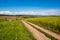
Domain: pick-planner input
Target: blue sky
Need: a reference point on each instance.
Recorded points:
(18, 5)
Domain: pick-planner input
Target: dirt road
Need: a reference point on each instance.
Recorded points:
(38, 35)
(55, 35)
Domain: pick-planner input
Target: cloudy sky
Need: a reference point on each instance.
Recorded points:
(30, 7)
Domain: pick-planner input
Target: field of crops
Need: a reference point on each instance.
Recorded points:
(50, 23)
(14, 30)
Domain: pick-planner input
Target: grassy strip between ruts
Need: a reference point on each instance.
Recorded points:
(47, 35)
(14, 30)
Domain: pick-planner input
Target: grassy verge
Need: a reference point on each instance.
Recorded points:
(14, 30)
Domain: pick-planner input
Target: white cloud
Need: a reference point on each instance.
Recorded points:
(5, 12)
(34, 12)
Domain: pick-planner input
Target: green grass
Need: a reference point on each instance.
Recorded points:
(50, 23)
(14, 30)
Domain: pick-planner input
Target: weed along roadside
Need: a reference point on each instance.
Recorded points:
(14, 30)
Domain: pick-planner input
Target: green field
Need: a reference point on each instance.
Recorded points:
(48, 22)
(14, 30)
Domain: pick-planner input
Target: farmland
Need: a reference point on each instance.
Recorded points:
(49, 22)
(14, 30)
(19, 28)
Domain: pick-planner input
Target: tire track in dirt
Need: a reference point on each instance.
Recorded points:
(38, 35)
